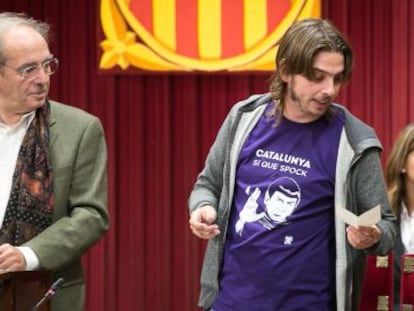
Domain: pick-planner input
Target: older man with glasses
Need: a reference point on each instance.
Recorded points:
(53, 178)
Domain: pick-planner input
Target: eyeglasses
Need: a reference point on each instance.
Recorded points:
(49, 66)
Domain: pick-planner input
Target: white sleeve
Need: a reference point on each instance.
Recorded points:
(32, 262)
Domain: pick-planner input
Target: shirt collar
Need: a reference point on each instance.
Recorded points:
(24, 121)
(404, 212)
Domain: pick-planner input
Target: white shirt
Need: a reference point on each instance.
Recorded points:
(407, 230)
(11, 138)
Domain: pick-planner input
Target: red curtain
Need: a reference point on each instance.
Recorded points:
(159, 128)
(381, 34)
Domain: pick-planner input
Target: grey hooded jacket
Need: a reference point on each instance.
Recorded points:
(359, 186)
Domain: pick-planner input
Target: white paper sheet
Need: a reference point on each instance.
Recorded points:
(367, 219)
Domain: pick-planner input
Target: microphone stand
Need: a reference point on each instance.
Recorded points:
(50, 292)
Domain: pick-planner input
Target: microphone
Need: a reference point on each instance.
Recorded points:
(50, 292)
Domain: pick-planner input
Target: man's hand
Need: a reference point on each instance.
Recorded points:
(11, 259)
(363, 237)
(202, 222)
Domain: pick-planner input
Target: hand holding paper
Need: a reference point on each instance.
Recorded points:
(367, 219)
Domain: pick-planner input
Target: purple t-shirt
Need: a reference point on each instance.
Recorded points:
(280, 247)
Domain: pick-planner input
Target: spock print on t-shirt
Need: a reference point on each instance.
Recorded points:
(280, 199)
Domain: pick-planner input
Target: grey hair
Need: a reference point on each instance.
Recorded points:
(9, 20)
